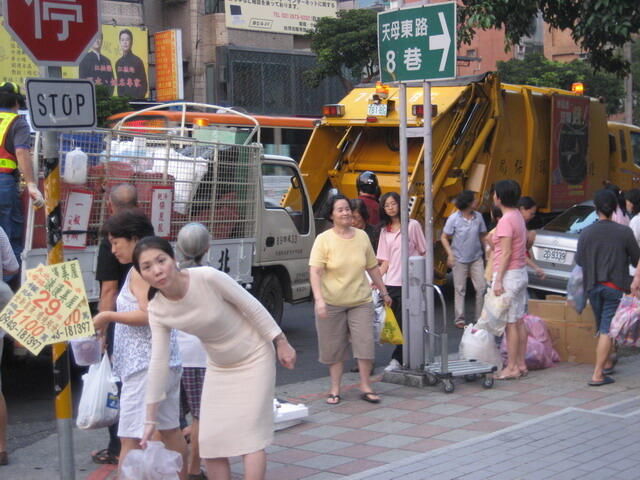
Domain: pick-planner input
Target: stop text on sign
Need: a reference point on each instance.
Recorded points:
(61, 104)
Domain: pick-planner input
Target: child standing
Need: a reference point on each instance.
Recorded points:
(463, 238)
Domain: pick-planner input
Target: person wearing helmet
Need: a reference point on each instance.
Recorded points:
(15, 158)
(368, 192)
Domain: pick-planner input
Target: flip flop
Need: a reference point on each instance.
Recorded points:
(103, 457)
(368, 397)
(459, 324)
(608, 371)
(599, 383)
(507, 377)
(333, 399)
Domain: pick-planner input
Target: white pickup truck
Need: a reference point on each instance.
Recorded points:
(255, 206)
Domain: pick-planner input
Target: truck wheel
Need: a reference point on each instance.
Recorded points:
(269, 292)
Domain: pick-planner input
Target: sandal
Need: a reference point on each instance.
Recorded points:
(333, 399)
(460, 323)
(104, 457)
(368, 397)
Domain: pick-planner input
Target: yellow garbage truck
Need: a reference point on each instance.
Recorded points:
(557, 144)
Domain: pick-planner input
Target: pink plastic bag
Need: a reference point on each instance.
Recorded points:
(537, 356)
(538, 330)
(540, 352)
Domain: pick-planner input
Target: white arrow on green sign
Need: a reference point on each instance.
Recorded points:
(417, 44)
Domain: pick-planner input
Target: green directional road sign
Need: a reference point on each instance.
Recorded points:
(418, 43)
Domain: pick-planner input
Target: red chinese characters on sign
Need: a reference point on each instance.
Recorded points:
(53, 32)
(569, 144)
(161, 201)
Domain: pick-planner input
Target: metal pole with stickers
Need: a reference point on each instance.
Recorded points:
(417, 44)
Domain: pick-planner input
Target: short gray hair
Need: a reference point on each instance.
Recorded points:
(193, 242)
(123, 196)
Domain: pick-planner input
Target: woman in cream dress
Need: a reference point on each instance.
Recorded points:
(236, 413)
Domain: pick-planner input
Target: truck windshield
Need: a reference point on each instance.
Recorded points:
(574, 220)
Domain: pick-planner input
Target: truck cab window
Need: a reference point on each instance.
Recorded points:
(635, 146)
(283, 189)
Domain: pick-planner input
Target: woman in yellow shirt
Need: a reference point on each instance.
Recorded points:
(344, 311)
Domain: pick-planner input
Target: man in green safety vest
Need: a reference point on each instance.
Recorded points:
(15, 158)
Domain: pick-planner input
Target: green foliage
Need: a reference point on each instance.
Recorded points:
(538, 71)
(599, 27)
(106, 105)
(346, 47)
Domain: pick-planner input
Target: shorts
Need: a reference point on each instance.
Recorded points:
(345, 325)
(192, 383)
(133, 406)
(515, 283)
(604, 301)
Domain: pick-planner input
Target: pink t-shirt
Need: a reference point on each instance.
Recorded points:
(511, 225)
(390, 250)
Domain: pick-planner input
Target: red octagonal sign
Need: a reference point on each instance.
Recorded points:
(53, 32)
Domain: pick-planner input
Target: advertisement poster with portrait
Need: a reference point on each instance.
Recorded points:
(569, 150)
(119, 59)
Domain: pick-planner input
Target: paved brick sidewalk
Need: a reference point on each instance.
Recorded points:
(338, 441)
(571, 444)
(417, 425)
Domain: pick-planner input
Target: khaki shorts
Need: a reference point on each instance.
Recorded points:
(345, 325)
(515, 282)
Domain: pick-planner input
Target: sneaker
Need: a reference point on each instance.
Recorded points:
(393, 365)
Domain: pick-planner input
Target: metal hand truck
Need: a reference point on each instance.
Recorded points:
(445, 371)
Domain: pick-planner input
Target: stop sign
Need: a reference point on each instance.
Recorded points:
(53, 32)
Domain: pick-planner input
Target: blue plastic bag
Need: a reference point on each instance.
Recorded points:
(575, 290)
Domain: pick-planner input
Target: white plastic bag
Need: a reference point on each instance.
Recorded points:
(478, 344)
(153, 463)
(493, 318)
(379, 314)
(99, 403)
(575, 290)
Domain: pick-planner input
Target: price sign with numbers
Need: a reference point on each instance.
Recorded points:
(80, 323)
(38, 310)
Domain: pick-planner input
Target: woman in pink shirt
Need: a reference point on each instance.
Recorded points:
(390, 254)
(510, 273)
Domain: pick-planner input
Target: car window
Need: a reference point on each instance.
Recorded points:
(574, 220)
(635, 145)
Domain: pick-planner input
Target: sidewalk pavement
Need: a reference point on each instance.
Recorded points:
(549, 425)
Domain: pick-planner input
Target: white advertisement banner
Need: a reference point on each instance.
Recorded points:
(279, 16)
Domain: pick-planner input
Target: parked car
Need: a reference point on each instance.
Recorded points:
(554, 249)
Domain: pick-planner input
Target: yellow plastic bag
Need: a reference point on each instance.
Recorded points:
(391, 332)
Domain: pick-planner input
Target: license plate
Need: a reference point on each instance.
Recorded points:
(377, 109)
(554, 255)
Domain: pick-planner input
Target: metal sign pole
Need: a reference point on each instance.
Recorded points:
(404, 215)
(428, 214)
(55, 254)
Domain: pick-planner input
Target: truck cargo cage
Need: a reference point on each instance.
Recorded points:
(445, 371)
(211, 183)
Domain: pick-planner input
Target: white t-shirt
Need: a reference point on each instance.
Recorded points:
(191, 351)
(634, 224)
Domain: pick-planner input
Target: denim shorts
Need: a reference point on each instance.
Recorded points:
(604, 302)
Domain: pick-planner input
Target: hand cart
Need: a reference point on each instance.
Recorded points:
(445, 371)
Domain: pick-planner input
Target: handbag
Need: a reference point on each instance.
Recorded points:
(391, 332)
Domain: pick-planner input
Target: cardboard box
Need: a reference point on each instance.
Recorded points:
(558, 333)
(556, 298)
(581, 342)
(547, 309)
(586, 317)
